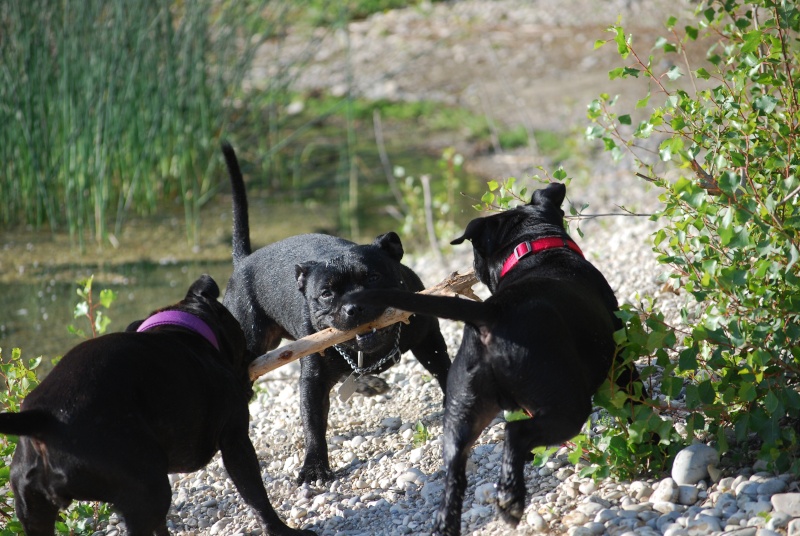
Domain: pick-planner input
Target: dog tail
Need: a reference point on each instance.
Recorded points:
(33, 423)
(241, 225)
(478, 314)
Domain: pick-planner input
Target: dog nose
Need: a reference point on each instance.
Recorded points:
(351, 309)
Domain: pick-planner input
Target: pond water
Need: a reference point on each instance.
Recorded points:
(150, 265)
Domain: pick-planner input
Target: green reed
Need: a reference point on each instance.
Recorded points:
(109, 107)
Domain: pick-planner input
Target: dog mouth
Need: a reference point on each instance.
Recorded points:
(377, 339)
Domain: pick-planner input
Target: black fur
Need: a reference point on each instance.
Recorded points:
(120, 412)
(543, 341)
(293, 288)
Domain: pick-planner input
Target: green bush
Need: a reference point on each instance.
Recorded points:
(17, 379)
(728, 131)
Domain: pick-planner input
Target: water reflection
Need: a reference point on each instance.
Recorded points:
(38, 310)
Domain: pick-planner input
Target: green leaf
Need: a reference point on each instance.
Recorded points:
(622, 44)
(107, 297)
(751, 41)
(765, 103)
(691, 32)
(643, 102)
(729, 182)
(624, 119)
(702, 74)
(674, 73)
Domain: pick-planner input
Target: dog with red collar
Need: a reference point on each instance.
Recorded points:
(537, 348)
(120, 412)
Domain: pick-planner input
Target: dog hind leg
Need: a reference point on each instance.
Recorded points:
(466, 416)
(36, 513)
(545, 428)
(145, 505)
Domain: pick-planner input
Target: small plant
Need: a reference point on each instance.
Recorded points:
(421, 434)
(93, 312)
(430, 212)
(18, 378)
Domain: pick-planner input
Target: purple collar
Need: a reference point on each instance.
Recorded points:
(179, 318)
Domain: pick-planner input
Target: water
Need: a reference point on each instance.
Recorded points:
(150, 265)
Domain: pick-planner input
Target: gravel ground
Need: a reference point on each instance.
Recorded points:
(473, 53)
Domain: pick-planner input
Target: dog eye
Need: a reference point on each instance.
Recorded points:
(326, 294)
(373, 277)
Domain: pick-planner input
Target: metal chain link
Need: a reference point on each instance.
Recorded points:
(366, 370)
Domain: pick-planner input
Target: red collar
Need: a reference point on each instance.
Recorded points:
(535, 246)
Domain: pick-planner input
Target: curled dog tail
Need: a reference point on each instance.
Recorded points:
(33, 423)
(479, 314)
(241, 225)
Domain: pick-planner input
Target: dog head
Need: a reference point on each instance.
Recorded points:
(493, 237)
(202, 301)
(324, 283)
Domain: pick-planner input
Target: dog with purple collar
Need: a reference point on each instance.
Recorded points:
(120, 412)
(538, 348)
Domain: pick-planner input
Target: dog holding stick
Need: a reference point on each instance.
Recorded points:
(538, 347)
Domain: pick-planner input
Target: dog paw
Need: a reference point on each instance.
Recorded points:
(310, 474)
(368, 385)
(510, 507)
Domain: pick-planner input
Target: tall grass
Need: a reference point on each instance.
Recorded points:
(113, 106)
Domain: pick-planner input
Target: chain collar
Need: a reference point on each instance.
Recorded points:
(395, 352)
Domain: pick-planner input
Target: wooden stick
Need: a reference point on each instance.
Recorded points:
(452, 285)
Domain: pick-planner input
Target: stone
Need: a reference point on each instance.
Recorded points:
(392, 423)
(787, 503)
(665, 491)
(691, 464)
(486, 493)
(771, 486)
(536, 521)
(687, 495)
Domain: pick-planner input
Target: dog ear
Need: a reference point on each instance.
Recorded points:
(301, 274)
(206, 286)
(390, 243)
(133, 326)
(474, 230)
(554, 193)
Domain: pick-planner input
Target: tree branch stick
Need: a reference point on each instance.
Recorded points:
(452, 285)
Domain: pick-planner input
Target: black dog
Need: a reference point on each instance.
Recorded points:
(542, 343)
(293, 288)
(120, 412)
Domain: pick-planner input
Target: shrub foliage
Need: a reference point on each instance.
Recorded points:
(728, 133)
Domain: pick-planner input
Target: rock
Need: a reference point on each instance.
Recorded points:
(536, 522)
(691, 464)
(486, 493)
(687, 495)
(786, 503)
(220, 525)
(771, 486)
(665, 491)
(392, 423)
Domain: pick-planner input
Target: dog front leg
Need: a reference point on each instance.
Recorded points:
(431, 352)
(241, 463)
(316, 382)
